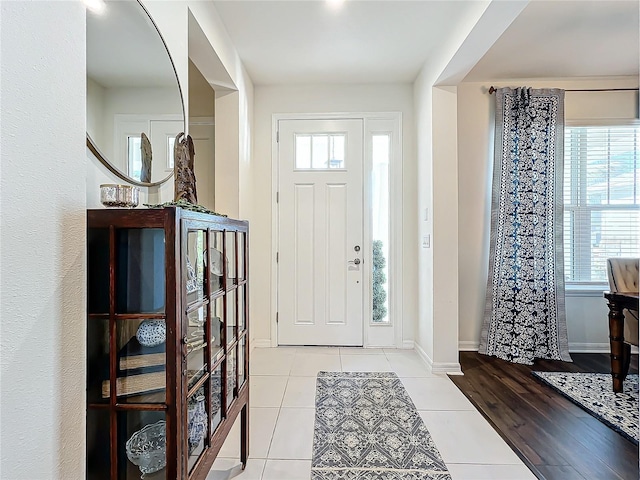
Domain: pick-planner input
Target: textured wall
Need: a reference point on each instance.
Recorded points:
(42, 240)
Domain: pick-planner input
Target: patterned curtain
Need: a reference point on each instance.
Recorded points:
(525, 313)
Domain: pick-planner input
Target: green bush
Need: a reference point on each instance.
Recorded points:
(379, 279)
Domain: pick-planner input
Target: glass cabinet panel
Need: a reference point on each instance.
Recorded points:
(231, 316)
(141, 367)
(216, 256)
(242, 321)
(230, 253)
(216, 397)
(194, 277)
(97, 359)
(231, 376)
(241, 254)
(196, 345)
(140, 275)
(197, 426)
(98, 445)
(98, 270)
(217, 317)
(241, 357)
(142, 439)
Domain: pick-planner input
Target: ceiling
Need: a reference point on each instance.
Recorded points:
(387, 41)
(309, 42)
(566, 39)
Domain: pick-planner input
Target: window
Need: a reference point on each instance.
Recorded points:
(381, 155)
(601, 199)
(320, 151)
(134, 156)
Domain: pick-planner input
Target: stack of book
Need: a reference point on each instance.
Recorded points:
(140, 370)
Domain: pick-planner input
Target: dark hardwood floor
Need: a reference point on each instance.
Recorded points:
(555, 438)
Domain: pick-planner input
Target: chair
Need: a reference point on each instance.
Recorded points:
(623, 310)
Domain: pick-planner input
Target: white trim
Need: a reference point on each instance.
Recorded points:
(408, 345)
(439, 367)
(468, 346)
(261, 343)
(206, 120)
(395, 224)
(579, 347)
(448, 368)
(602, 122)
(574, 347)
(274, 231)
(390, 124)
(585, 290)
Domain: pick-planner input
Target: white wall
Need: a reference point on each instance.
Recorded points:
(436, 328)
(95, 107)
(234, 125)
(323, 99)
(42, 241)
(586, 315)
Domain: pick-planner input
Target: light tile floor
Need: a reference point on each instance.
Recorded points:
(282, 399)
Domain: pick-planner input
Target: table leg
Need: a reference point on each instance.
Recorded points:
(618, 351)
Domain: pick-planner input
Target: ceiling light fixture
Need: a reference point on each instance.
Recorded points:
(95, 6)
(335, 4)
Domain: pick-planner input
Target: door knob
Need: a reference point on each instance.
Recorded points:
(357, 261)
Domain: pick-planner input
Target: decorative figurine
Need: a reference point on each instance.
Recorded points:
(185, 179)
(145, 147)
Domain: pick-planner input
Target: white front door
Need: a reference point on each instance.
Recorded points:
(320, 232)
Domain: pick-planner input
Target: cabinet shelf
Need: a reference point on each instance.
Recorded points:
(181, 391)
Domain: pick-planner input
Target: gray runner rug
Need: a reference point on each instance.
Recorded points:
(594, 393)
(367, 428)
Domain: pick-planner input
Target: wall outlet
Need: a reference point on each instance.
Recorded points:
(426, 241)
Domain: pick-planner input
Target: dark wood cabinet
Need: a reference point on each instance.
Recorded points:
(167, 341)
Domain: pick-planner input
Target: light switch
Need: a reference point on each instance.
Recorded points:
(426, 241)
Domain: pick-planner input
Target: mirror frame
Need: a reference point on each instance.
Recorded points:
(103, 159)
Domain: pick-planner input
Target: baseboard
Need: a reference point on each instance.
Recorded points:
(574, 347)
(468, 346)
(408, 344)
(581, 347)
(261, 343)
(438, 367)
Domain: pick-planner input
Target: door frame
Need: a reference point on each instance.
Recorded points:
(372, 123)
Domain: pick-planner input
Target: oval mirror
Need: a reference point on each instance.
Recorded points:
(132, 89)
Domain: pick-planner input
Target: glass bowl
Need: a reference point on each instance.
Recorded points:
(147, 447)
(122, 196)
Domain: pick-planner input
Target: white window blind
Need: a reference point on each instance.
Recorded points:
(601, 199)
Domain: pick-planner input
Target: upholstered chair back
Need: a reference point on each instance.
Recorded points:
(623, 277)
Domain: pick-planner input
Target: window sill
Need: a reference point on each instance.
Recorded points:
(585, 290)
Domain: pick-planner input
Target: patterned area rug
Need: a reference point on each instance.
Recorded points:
(367, 428)
(594, 393)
